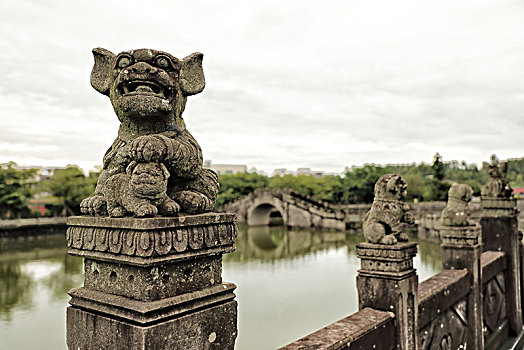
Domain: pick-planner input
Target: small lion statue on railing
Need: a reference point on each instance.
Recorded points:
(385, 220)
(497, 185)
(456, 212)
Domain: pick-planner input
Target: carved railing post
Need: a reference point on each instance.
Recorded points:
(387, 280)
(500, 233)
(152, 283)
(461, 249)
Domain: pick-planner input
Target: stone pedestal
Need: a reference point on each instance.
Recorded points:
(500, 233)
(152, 283)
(461, 249)
(387, 281)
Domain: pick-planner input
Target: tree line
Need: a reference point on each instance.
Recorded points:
(62, 192)
(426, 182)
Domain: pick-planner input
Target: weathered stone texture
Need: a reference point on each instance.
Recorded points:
(366, 329)
(456, 212)
(212, 328)
(155, 165)
(152, 283)
(384, 223)
(497, 185)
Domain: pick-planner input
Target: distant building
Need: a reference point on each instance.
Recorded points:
(226, 169)
(301, 171)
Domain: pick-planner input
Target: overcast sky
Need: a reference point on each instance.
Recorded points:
(320, 84)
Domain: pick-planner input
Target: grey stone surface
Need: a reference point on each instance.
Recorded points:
(152, 283)
(497, 185)
(384, 223)
(151, 241)
(500, 233)
(366, 329)
(461, 249)
(456, 212)
(387, 281)
(211, 328)
(148, 90)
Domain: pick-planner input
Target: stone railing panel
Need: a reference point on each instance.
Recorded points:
(366, 329)
(495, 318)
(440, 293)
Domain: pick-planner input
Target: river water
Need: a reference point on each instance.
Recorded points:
(289, 283)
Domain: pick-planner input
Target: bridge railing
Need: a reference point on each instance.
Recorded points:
(474, 303)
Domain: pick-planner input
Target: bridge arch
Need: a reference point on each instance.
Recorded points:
(261, 212)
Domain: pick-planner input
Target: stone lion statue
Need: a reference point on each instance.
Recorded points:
(456, 212)
(497, 185)
(148, 90)
(385, 220)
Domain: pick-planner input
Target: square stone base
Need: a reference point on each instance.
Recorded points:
(212, 328)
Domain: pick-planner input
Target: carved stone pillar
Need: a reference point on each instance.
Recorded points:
(152, 283)
(461, 249)
(500, 233)
(387, 281)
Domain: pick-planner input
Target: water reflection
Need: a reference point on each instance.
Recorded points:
(275, 243)
(35, 275)
(293, 282)
(290, 283)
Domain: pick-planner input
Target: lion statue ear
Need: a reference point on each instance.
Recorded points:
(101, 73)
(192, 79)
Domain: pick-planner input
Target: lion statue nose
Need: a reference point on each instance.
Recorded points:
(143, 68)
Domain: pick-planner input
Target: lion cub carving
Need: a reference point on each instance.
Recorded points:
(456, 212)
(384, 222)
(148, 90)
(141, 191)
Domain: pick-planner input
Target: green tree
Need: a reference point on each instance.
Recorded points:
(238, 185)
(439, 187)
(70, 186)
(358, 183)
(16, 189)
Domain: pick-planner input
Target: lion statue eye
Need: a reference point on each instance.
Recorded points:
(123, 62)
(162, 62)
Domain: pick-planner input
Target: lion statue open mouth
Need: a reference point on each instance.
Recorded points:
(148, 90)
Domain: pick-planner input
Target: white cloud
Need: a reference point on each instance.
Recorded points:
(318, 84)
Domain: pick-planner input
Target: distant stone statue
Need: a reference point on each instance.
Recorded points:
(149, 90)
(497, 185)
(456, 212)
(385, 221)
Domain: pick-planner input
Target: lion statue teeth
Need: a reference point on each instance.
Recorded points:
(148, 90)
(385, 220)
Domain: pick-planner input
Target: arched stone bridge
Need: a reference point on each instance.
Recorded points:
(264, 206)
(295, 209)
